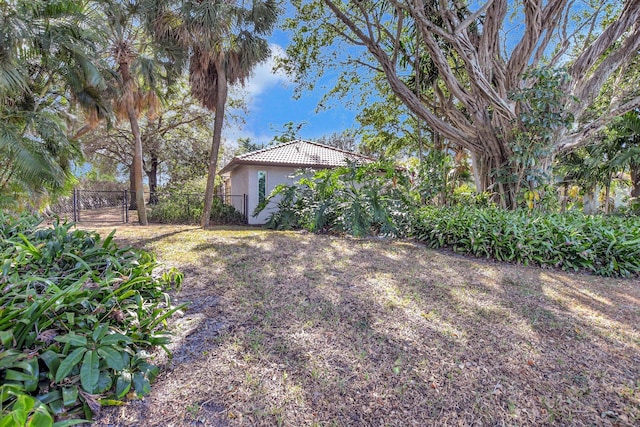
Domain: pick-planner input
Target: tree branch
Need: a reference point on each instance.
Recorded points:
(629, 16)
(582, 137)
(586, 90)
(471, 18)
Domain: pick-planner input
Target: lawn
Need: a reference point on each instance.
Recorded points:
(296, 329)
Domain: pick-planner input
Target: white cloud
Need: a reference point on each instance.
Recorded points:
(233, 133)
(262, 79)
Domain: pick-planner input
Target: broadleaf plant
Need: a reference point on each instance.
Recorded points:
(78, 316)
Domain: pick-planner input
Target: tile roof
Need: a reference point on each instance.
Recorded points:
(300, 154)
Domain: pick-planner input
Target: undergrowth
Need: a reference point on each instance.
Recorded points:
(78, 316)
(603, 245)
(184, 208)
(379, 199)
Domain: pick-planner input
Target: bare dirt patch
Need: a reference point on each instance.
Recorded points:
(297, 329)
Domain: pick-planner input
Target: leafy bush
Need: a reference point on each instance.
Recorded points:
(77, 317)
(185, 208)
(467, 196)
(603, 245)
(357, 200)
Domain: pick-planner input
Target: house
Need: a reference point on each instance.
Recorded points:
(251, 177)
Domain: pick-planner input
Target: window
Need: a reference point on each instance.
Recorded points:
(262, 186)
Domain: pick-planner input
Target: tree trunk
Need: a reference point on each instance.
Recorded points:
(607, 193)
(590, 201)
(503, 192)
(137, 165)
(215, 143)
(635, 180)
(128, 88)
(152, 175)
(132, 189)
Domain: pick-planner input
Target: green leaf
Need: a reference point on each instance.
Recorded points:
(69, 362)
(8, 421)
(141, 384)
(13, 375)
(123, 384)
(90, 372)
(6, 338)
(100, 332)
(57, 406)
(112, 357)
(72, 339)
(51, 359)
(112, 339)
(105, 382)
(10, 358)
(21, 408)
(69, 395)
(111, 402)
(40, 418)
(66, 423)
(50, 397)
(71, 320)
(108, 239)
(31, 367)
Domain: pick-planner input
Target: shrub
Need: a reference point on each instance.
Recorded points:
(185, 208)
(77, 317)
(467, 196)
(357, 200)
(603, 245)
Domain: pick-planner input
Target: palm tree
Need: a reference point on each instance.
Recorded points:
(133, 55)
(44, 71)
(226, 40)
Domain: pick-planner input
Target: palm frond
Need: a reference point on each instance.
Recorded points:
(29, 163)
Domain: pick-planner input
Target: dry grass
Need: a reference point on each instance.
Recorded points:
(304, 330)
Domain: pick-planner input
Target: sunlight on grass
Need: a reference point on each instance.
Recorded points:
(301, 329)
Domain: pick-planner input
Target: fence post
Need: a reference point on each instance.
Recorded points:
(78, 205)
(126, 206)
(75, 205)
(245, 202)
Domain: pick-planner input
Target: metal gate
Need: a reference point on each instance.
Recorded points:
(94, 206)
(114, 206)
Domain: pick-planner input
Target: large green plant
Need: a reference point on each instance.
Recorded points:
(47, 67)
(541, 114)
(603, 245)
(357, 200)
(79, 315)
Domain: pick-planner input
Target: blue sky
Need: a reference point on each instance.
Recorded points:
(270, 103)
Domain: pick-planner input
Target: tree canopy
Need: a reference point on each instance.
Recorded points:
(47, 70)
(457, 66)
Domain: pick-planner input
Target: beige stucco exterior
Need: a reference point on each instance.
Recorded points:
(279, 164)
(244, 180)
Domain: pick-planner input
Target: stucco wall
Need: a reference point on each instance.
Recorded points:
(239, 186)
(244, 180)
(276, 175)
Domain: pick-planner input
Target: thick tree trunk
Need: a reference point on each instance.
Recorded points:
(607, 194)
(152, 176)
(128, 88)
(590, 200)
(137, 166)
(215, 144)
(484, 165)
(132, 189)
